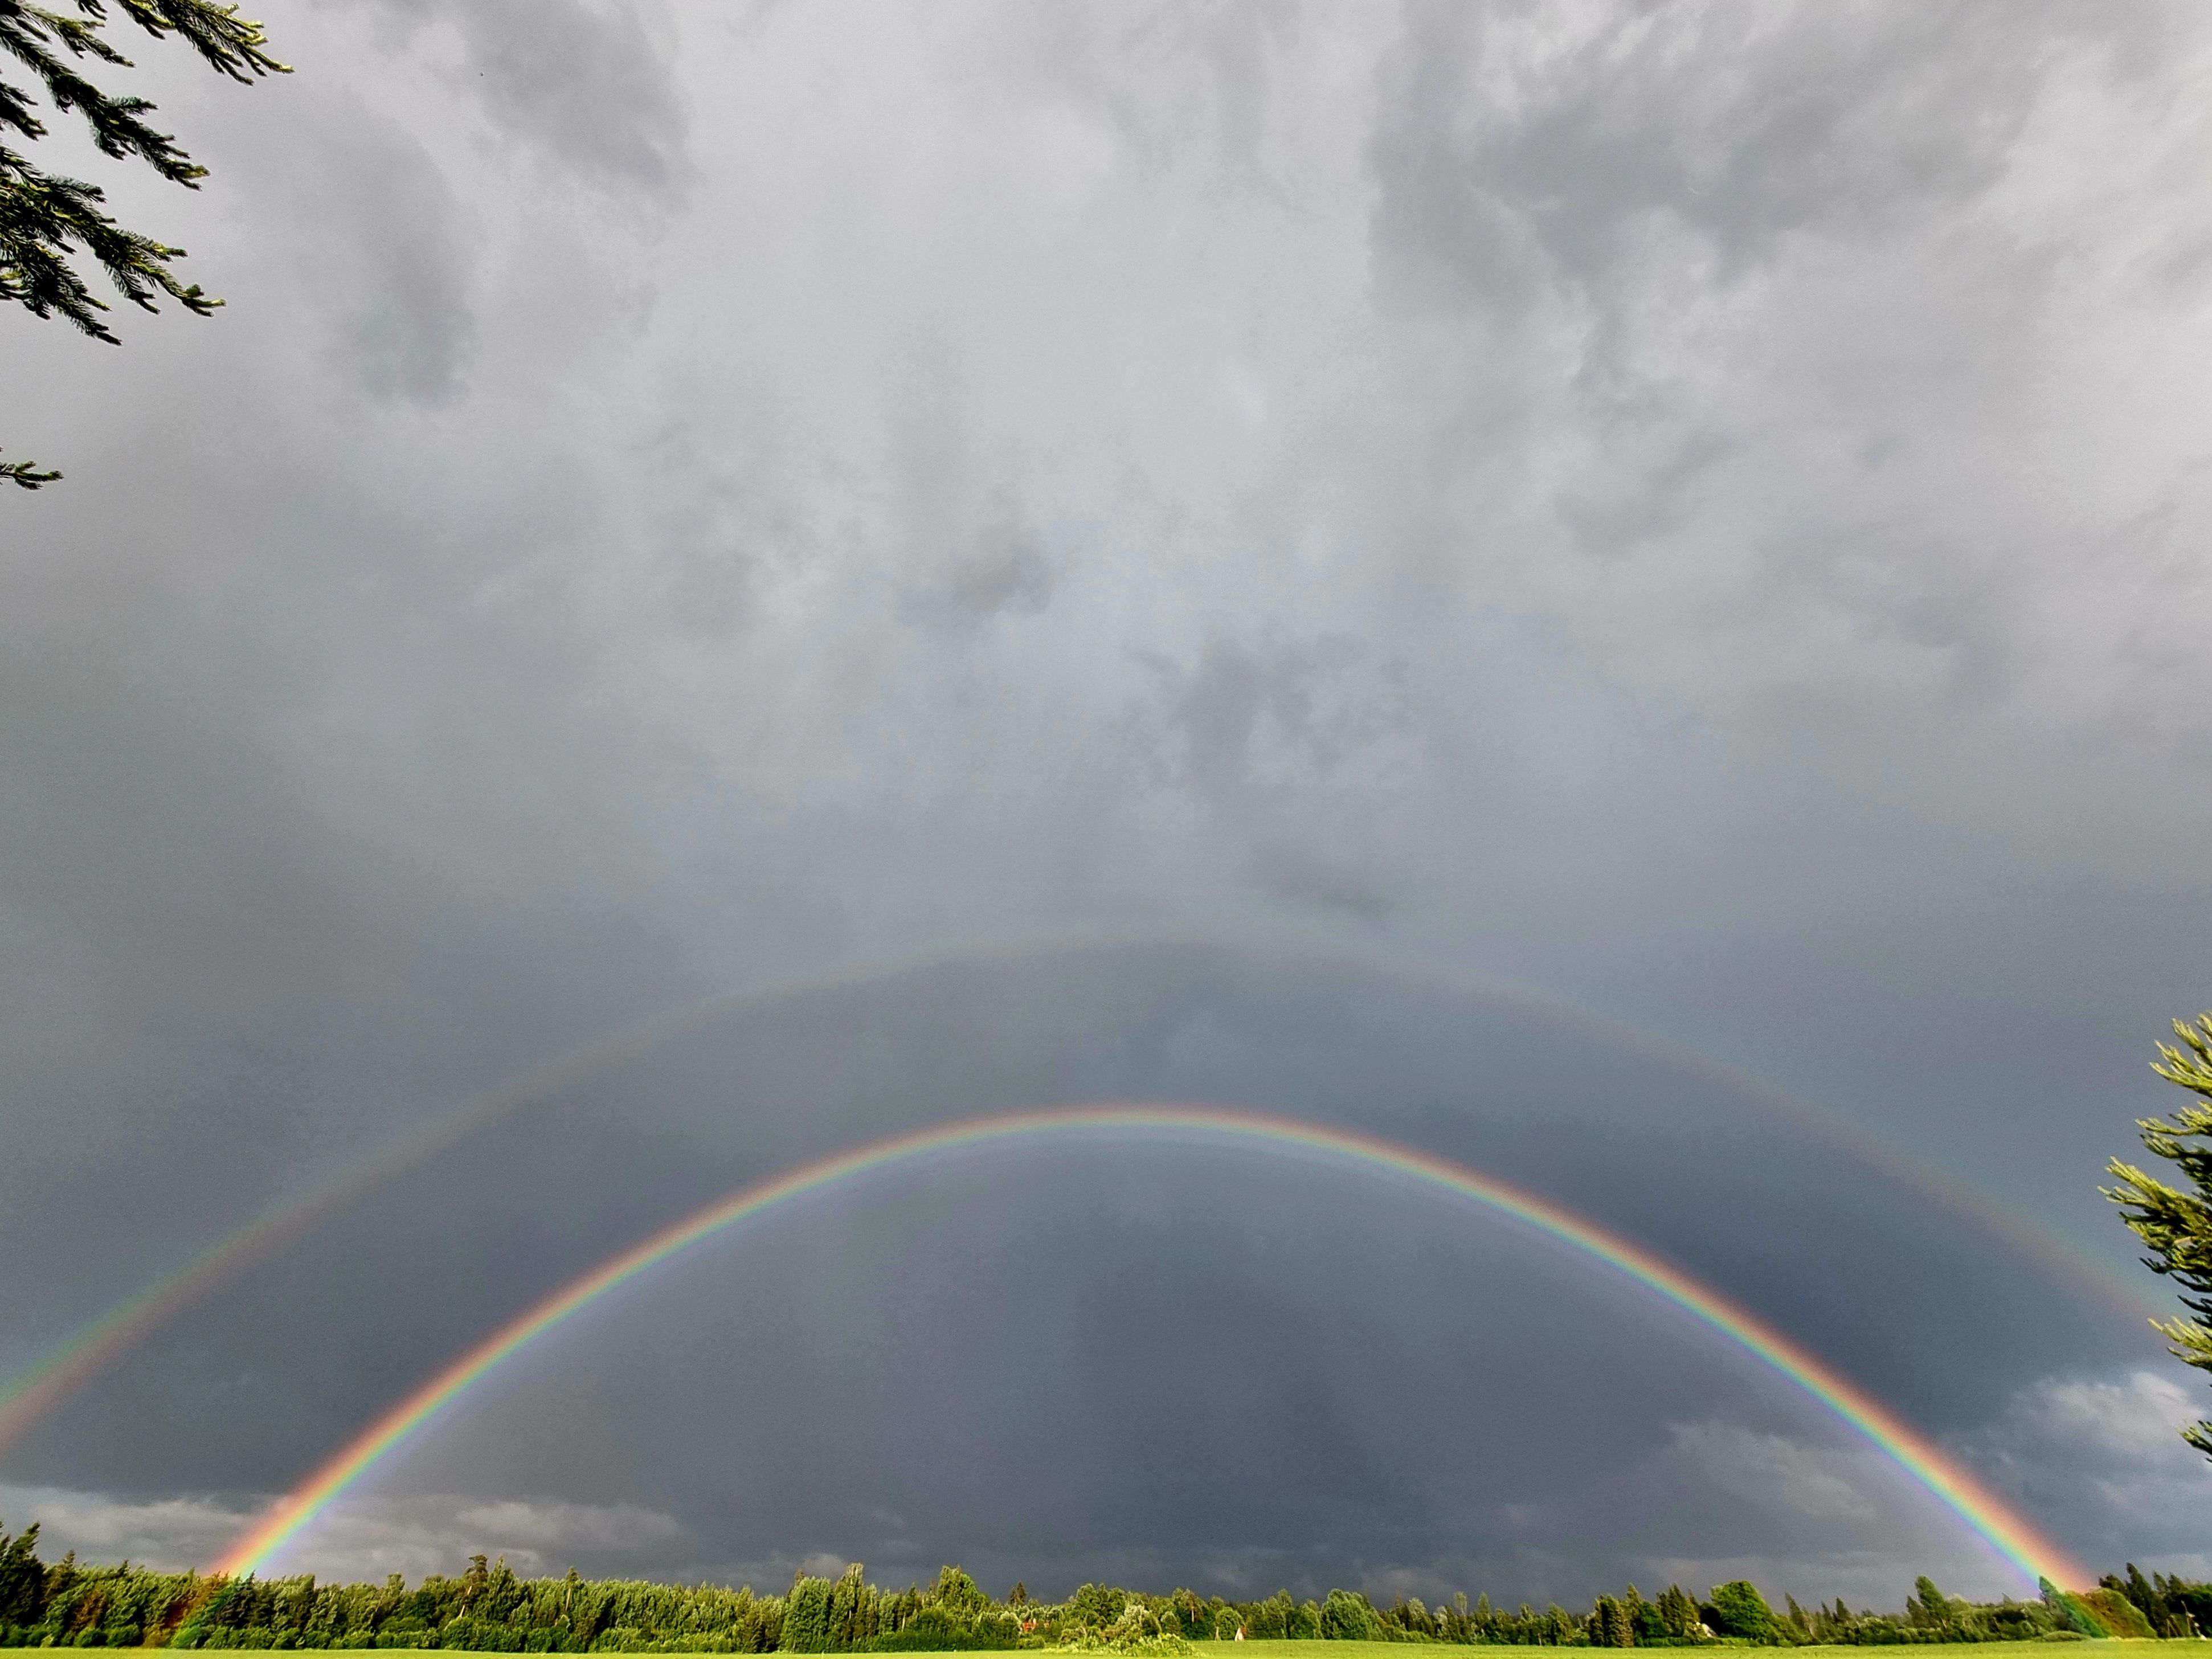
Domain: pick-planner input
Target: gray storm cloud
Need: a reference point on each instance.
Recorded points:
(1702, 516)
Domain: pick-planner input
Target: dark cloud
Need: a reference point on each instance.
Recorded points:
(1003, 571)
(1509, 162)
(1254, 726)
(409, 332)
(590, 83)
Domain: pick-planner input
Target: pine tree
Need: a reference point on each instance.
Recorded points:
(502, 1591)
(1678, 1613)
(1928, 1606)
(1797, 1616)
(1620, 1625)
(23, 1577)
(2138, 1591)
(958, 1595)
(1643, 1619)
(45, 218)
(2177, 1225)
(807, 1615)
(850, 1610)
(1560, 1623)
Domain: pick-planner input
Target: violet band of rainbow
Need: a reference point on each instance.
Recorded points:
(2008, 1534)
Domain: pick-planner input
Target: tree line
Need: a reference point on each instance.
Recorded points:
(489, 1608)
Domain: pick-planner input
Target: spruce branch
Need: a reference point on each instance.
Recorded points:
(2176, 1224)
(25, 475)
(47, 220)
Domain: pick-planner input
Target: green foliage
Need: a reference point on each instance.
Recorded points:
(46, 219)
(2119, 1616)
(1738, 1609)
(1097, 1605)
(26, 474)
(806, 1616)
(2170, 1607)
(957, 1593)
(1142, 1628)
(2070, 1612)
(1612, 1623)
(1347, 1616)
(1676, 1616)
(2177, 1224)
(23, 1577)
(1138, 1631)
(853, 1610)
(489, 1608)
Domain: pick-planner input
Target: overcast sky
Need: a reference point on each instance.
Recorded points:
(1426, 567)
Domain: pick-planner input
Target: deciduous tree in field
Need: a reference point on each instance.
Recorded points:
(2176, 1221)
(1347, 1617)
(47, 219)
(1738, 1609)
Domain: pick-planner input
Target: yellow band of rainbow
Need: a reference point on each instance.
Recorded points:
(2008, 1534)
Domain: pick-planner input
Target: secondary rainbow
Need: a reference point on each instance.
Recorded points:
(40, 1387)
(2009, 1534)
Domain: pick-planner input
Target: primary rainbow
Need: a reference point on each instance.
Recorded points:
(2010, 1535)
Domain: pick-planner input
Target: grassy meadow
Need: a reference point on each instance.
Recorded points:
(1249, 1650)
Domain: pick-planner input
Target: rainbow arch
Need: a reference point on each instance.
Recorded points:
(2008, 1534)
(30, 1393)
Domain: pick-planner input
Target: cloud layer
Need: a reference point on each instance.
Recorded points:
(1701, 518)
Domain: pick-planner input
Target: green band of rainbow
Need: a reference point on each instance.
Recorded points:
(2011, 1536)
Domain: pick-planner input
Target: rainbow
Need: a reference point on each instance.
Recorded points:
(2012, 1537)
(39, 1387)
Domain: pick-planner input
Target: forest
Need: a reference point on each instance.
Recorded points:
(489, 1608)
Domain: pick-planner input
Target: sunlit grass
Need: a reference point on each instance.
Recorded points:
(1398, 1649)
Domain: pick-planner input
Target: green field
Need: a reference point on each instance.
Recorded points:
(1397, 1650)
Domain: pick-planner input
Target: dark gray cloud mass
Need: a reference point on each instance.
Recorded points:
(1126, 553)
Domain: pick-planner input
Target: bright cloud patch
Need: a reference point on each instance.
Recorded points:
(2106, 1451)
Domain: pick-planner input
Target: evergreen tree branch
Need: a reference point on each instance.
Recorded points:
(43, 217)
(46, 219)
(117, 128)
(229, 43)
(25, 475)
(2176, 1224)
